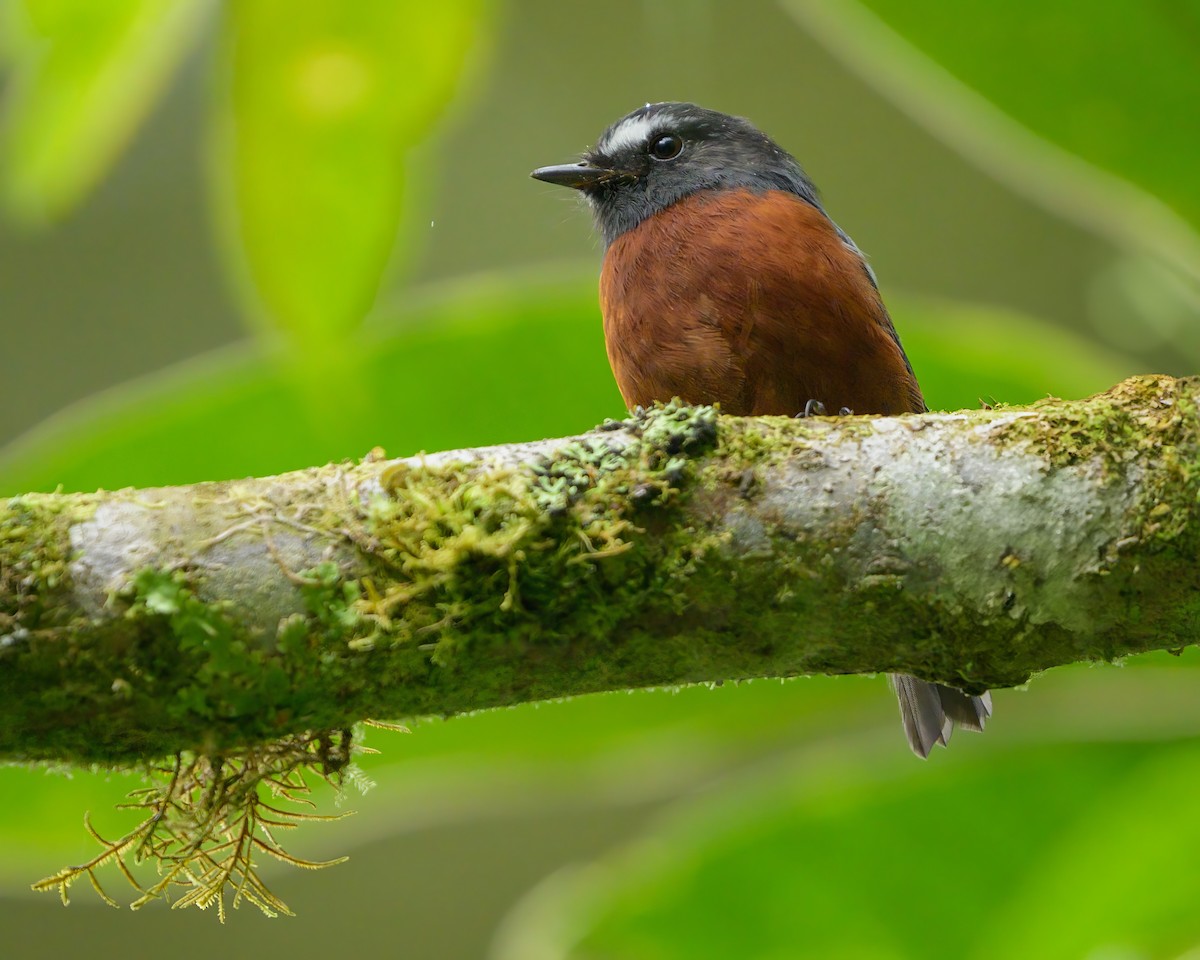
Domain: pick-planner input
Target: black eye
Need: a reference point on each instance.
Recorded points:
(666, 147)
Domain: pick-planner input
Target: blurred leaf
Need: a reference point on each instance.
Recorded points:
(1121, 879)
(486, 362)
(1114, 83)
(966, 354)
(854, 855)
(41, 817)
(324, 99)
(1088, 109)
(84, 74)
(631, 748)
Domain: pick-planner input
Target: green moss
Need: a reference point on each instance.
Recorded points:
(331, 599)
(521, 557)
(41, 629)
(1120, 425)
(229, 676)
(1147, 423)
(35, 553)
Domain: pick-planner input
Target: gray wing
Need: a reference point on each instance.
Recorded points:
(929, 711)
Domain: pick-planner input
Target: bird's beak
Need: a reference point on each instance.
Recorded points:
(577, 176)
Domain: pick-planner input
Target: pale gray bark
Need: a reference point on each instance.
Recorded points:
(972, 548)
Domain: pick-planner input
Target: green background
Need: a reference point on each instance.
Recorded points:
(246, 237)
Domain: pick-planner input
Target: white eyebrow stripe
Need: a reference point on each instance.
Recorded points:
(631, 133)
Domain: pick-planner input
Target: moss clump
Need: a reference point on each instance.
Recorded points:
(35, 554)
(517, 555)
(212, 811)
(1146, 424)
(229, 676)
(187, 670)
(331, 601)
(1106, 425)
(42, 629)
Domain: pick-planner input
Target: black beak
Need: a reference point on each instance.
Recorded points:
(577, 176)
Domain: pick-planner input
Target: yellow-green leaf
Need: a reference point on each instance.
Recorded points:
(1088, 108)
(1057, 850)
(84, 74)
(323, 101)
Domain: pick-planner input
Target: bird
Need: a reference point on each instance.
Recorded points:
(725, 282)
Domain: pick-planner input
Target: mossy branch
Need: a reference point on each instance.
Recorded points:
(974, 548)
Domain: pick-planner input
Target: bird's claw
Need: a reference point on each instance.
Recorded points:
(815, 408)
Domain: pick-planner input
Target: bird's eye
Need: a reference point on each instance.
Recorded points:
(666, 147)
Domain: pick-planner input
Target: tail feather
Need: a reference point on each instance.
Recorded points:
(929, 711)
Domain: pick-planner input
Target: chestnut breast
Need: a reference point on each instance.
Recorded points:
(750, 300)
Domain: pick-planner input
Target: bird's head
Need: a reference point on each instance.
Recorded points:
(663, 152)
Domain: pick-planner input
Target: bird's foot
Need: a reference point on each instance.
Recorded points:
(815, 408)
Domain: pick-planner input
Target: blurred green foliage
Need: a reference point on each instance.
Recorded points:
(1046, 852)
(83, 76)
(817, 834)
(242, 412)
(321, 103)
(429, 381)
(1111, 83)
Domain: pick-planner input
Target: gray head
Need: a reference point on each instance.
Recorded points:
(663, 152)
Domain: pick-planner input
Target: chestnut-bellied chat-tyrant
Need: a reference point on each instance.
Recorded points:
(725, 281)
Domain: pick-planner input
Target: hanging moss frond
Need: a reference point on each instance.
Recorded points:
(208, 818)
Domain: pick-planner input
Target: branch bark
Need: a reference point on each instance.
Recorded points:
(973, 548)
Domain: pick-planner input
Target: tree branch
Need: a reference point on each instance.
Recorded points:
(973, 548)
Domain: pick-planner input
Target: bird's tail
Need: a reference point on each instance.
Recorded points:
(929, 711)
